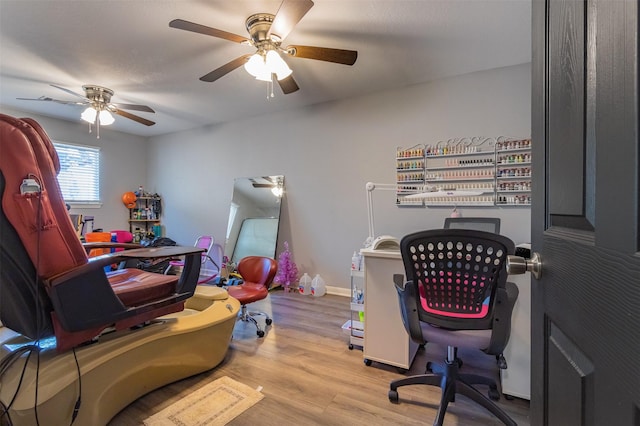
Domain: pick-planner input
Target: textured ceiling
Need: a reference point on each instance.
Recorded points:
(128, 46)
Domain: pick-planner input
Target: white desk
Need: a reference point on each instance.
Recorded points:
(385, 339)
(516, 379)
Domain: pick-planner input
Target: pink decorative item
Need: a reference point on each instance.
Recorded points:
(287, 269)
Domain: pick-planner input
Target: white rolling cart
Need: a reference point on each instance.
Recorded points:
(355, 325)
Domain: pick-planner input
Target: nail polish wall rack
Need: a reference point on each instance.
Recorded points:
(497, 169)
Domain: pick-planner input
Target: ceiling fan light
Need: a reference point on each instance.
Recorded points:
(255, 65)
(284, 74)
(106, 118)
(89, 115)
(265, 75)
(277, 65)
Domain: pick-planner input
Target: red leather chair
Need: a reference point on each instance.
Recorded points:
(257, 273)
(48, 285)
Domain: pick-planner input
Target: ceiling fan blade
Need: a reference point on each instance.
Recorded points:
(134, 117)
(288, 15)
(46, 98)
(71, 92)
(133, 107)
(181, 24)
(225, 69)
(339, 56)
(288, 85)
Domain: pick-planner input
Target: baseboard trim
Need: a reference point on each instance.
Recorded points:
(339, 291)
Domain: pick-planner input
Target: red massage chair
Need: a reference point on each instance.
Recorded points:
(48, 285)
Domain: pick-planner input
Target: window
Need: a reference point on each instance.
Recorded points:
(79, 176)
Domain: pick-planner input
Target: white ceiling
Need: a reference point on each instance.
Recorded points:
(128, 46)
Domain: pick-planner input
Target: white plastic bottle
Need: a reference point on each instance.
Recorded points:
(304, 285)
(355, 262)
(318, 288)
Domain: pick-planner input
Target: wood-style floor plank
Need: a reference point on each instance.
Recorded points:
(310, 377)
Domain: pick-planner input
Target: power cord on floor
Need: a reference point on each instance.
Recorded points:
(76, 407)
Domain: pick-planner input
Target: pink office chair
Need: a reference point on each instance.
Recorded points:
(206, 242)
(214, 256)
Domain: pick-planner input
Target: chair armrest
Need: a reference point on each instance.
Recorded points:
(108, 245)
(506, 297)
(82, 297)
(407, 297)
(101, 261)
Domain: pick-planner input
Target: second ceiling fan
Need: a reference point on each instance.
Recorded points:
(266, 33)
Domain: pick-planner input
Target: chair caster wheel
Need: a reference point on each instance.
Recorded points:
(393, 396)
(494, 394)
(260, 333)
(367, 362)
(268, 321)
(350, 347)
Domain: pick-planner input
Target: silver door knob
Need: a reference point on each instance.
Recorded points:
(519, 265)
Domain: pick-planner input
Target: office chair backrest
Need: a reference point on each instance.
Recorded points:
(204, 242)
(488, 224)
(457, 272)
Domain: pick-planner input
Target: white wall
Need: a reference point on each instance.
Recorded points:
(122, 160)
(327, 153)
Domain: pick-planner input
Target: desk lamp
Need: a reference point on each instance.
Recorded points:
(429, 191)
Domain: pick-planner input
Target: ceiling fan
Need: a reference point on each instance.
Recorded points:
(266, 33)
(99, 106)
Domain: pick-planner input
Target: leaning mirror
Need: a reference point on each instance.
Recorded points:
(254, 217)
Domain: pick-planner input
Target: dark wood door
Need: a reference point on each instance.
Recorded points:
(586, 304)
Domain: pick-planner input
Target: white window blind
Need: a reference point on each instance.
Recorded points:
(79, 176)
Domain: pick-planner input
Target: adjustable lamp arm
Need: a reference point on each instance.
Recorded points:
(370, 187)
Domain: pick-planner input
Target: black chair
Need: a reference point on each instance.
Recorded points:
(456, 294)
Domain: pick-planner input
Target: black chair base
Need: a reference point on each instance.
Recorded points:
(448, 378)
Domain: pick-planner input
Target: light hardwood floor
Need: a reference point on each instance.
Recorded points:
(310, 377)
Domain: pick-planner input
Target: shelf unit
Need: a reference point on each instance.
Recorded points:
(355, 325)
(513, 173)
(145, 215)
(489, 171)
(410, 174)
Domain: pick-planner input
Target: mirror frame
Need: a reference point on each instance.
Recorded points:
(254, 198)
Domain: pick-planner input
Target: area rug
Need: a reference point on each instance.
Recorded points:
(217, 403)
